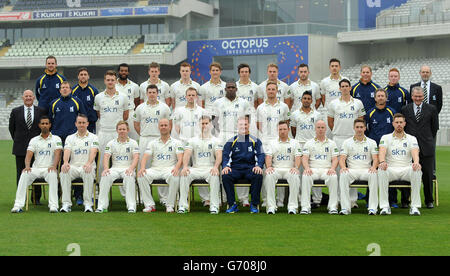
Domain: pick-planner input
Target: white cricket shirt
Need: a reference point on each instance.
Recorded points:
(149, 116)
(188, 119)
(359, 153)
(131, 90)
(269, 116)
(282, 94)
(178, 91)
(297, 89)
(203, 151)
(320, 153)
(164, 155)
(80, 147)
(330, 88)
(305, 124)
(284, 153)
(163, 90)
(211, 92)
(248, 92)
(344, 114)
(44, 150)
(229, 112)
(122, 153)
(111, 109)
(398, 150)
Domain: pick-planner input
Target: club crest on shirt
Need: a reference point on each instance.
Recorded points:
(366, 149)
(250, 149)
(128, 150)
(170, 149)
(117, 102)
(405, 145)
(86, 144)
(49, 145)
(327, 149)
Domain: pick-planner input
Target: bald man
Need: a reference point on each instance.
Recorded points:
(23, 125)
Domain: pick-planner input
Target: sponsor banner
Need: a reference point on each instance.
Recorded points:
(64, 14)
(290, 50)
(151, 11)
(369, 9)
(116, 12)
(13, 16)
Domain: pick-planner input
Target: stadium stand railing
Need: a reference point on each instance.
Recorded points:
(24, 5)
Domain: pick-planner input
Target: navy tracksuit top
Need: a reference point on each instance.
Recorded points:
(243, 152)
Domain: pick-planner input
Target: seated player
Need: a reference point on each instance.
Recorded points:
(206, 152)
(80, 148)
(399, 160)
(358, 161)
(283, 160)
(320, 159)
(166, 154)
(124, 152)
(46, 149)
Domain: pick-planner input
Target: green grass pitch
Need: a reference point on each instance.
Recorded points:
(37, 232)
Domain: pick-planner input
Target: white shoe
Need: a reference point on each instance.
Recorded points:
(16, 210)
(53, 210)
(292, 212)
(372, 212)
(131, 211)
(169, 210)
(305, 211)
(385, 211)
(414, 211)
(271, 211)
(214, 211)
(181, 210)
(280, 204)
(88, 209)
(149, 209)
(333, 212)
(65, 209)
(344, 212)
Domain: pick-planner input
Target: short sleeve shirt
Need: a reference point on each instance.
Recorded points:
(248, 92)
(297, 89)
(203, 151)
(344, 114)
(149, 116)
(284, 153)
(178, 91)
(164, 155)
(359, 153)
(282, 94)
(330, 89)
(44, 150)
(163, 90)
(188, 119)
(111, 109)
(228, 113)
(210, 93)
(398, 150)
(304, 124)
(320, 153)
(269, 116)
(80, 147)
(122, 153)
(131, 90)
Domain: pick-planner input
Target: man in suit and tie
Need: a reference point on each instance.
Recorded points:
(23, 125)
(432, 95)
(422, 122)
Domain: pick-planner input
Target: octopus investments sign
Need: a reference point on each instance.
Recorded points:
(290, 50)
(369, 9)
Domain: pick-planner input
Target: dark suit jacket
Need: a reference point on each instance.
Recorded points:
(435, 95)
(19, 131)
(425, 130)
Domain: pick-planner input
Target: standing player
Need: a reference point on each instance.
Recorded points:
(342, 113)
(379, 119)
(399, 160)
(365, 89)
(206, 152)
(186, 118)
(248, 91)
(124, 153)
(397, 95)
(112, 107)
(303, 121)
(86, 92)
(154, 70)
(146, 119)
(361, 155)
(214, 89)
(81, 149)
(130, 89)
(320, 159)
(283, 160)
(178, 89)
(166, 154)
(268, 115)
(47, 85)
(283, 88)
(297, 89)
(227, 111)
(46, 149)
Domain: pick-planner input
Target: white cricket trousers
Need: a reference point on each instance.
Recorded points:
(103, 138)
(339, 140)
(200, 174)
(347, 178)
(395, 174)
(157, 174)
(27, 178)
(88, 185)
(270, 180)
(163, 192)
(129, 184)
(330, 180)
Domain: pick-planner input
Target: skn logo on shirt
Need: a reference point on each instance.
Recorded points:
(44, 153)
(204, 154)
(283, 157)
(81, 152)
(163, 157)
(397, 152)
(361, 157)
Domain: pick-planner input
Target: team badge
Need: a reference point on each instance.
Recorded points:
(210, 146)
(170, 148)
(157, 112)
(117, 102)
(366, 149)
(71, 109)
(86, 144)
(88, 98)
(49, 145)
(250, 149)
(289, 150)
(405, 145)
(327, 149)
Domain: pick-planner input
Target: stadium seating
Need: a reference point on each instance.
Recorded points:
(156, 48)
(73, 46)
(23, 5)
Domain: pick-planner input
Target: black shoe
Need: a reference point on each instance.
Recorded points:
(315, 205)
(38, 202)
(430, 205)
(405, 206)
